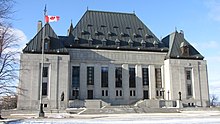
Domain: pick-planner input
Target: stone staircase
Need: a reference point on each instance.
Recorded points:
(125, 109)
(141, 106)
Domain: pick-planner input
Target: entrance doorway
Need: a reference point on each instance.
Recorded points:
(145, 93)
(90, 94)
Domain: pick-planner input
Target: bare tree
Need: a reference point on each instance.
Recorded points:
(5, 10)
(9, 63)
(213, 99)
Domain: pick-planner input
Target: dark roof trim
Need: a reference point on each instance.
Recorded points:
(191, 58)
(54, 53)
(119, 48)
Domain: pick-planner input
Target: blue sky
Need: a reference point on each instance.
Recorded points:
(199, 19)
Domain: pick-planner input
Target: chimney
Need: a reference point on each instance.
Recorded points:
(39, 25)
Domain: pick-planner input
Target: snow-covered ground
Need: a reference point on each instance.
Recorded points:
(204, 117)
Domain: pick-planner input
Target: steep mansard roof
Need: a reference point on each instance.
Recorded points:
(174, 42)
(110, 30)
(55, 46)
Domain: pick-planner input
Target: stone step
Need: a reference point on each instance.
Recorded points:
(118, 110)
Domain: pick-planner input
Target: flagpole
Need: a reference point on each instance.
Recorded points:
(41, 112)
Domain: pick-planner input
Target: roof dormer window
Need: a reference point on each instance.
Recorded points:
(143, 43)
(115, 27)
(184, 49)
(128, 28)
(104, 42)
(148, 36)
(89, 25)
(140, 29)
(131, 43)
(155, 43)
(46, 43)
(90, 41)
(46, 46)
(117, 43)
(76, 39)
(103, 26)
(135, 35)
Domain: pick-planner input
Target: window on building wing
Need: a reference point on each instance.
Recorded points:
(145, 76)
(45, 71)
(158, 78)
(189, 88)
(104, 76)
(75, 76)
(188, 75)
(44, 89)
(132, 78)
(45, 75)
(118, 77)
(90, 75)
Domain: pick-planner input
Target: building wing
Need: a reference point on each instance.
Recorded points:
(53, 43)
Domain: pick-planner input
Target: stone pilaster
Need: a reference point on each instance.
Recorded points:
(83, 81)
(111, 82)
(97, 81)
(125, 81)
(152, 82)
(139, 84)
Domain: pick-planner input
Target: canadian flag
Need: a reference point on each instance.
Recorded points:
(51, 18)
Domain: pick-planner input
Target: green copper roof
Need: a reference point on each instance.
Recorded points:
(113, 27)
(175, 41)
(114, 31)
(55, 44)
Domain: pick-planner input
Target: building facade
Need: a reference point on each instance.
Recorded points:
(111, 57)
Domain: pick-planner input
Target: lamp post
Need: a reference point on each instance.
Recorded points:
(41, 112)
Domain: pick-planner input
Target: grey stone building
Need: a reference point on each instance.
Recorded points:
(111, 58)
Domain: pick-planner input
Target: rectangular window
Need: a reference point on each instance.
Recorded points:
(75, 76)
(116, 92)
(106, 93)
(45, 76)
(118, 76)
(132, 82)
(44, 89)
(157, 92)
(188, 75)
(189, 90)
(103, 93)
(45, 71)
(145, 76)
(90, 75)
(120, 92)
(145, 93)
(104, 71)
(45, 105)
(46, 46)
(132, 92)
(158, 78)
